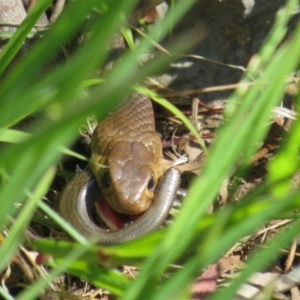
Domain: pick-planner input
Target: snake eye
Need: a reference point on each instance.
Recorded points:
(106, 179)
(151, 184)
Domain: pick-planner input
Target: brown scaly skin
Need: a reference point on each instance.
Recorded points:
(126, 142)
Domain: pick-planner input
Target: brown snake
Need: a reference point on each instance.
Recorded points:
(127, 144)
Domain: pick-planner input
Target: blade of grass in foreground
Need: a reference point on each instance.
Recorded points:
(169, 106)
(61, 85)
(242, 130)
(55, 130)
(16, 233)
(26, 162)
(15, 43)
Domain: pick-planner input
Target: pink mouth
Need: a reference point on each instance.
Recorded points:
(111, 218)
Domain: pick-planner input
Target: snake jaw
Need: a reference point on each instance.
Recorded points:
(129, 183)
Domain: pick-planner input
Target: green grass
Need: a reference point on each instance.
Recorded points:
(28, 162)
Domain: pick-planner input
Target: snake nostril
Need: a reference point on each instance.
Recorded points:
(151, 184)
(106, 179)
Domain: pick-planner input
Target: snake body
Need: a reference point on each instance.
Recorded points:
(81, 193)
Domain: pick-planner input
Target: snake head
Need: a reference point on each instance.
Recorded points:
(129, 182)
